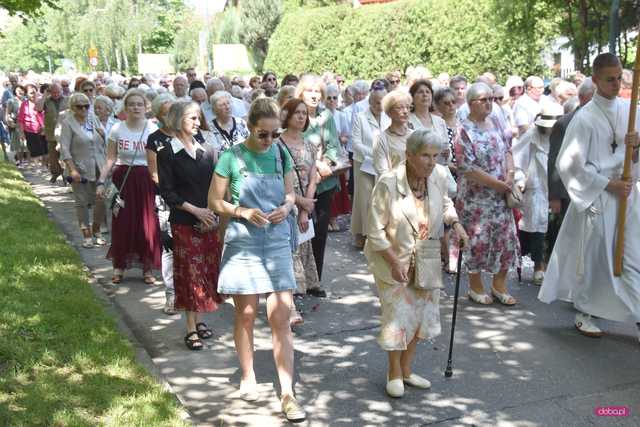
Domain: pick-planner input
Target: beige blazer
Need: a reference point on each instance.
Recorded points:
(88, 154)
(393, 217)
(365, 131)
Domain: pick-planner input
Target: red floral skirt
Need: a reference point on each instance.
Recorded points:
(196, 263)
(135, 232)
(341, 204)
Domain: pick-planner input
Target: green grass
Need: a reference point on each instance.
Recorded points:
(62, 360)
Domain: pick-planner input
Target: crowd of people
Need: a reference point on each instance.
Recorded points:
(230, 186)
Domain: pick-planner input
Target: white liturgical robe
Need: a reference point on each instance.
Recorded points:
(581, 265)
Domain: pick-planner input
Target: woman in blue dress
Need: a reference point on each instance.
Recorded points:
(257, 255)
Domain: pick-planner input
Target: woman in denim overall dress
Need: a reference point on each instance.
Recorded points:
(257, 256)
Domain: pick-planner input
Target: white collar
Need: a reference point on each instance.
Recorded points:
(177, 145)
(603, 102)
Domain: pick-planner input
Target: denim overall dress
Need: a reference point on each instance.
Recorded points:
(257, 260)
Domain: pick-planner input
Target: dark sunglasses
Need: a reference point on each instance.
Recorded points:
(265, 135)
(89, 89)
(332, 98)
(498, 98)
(82, 106)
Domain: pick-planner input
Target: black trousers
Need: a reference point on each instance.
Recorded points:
(321, 227)
(555, 221)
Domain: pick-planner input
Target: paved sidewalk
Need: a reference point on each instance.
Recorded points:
(523, 366)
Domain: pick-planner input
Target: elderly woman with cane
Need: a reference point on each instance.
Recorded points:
(408, 208)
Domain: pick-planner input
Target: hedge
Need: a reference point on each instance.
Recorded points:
(459, 37)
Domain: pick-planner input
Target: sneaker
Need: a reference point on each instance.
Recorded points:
(169, 306)
(98, 240)
(538, 277)
(87, 242)
(292, 409)
(586, 326)
(317, 292)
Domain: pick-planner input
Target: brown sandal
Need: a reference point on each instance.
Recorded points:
(149, 279)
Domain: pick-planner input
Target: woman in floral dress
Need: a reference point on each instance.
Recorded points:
(295, 121)
(485, 175)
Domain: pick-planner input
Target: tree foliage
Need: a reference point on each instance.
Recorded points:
(227, 26)
(259, 20)
(25, 8)
(584, 22)
(25, 50)
(464, 37)
(119, 29)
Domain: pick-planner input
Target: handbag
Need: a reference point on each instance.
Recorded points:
(425, 269)
(113, 193)
(514, 197)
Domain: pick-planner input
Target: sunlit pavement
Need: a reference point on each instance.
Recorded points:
(520, 366)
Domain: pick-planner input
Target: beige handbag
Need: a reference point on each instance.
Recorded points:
(514, 197)
(425, 269)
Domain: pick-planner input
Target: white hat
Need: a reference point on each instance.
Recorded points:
(551, 111)
(511, 82)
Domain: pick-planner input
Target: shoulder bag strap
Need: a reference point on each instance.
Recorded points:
(135, 154)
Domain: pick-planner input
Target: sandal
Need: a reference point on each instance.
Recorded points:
(149, 279)
(295, 318)
(203, 331)
(504, 298)
(193, 344)
(117, 277)
(482, 299)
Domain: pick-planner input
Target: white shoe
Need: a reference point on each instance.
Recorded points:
(87, 242)
(586, 326)
(417, 381)
(395, 388)
(538, 277)
(98, 240)
(249, 392)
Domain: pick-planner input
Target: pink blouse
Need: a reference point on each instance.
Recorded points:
(32, 121)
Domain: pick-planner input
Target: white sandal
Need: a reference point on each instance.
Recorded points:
(482, 299)
(504, 298)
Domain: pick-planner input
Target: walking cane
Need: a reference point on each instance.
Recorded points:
(449, 372)
(626, 174)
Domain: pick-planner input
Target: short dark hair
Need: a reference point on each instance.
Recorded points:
(196, 84)
(416, 85)
(605, 60)
(290, 108)
(442, 93)
(288, 79)
(457, 79)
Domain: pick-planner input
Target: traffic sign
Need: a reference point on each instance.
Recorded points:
(93, 52)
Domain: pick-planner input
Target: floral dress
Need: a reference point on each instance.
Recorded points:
(304, 264)
(493, 242)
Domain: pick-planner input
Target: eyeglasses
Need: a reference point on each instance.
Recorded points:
(265, 135)
(448, 103)
(89, 89)
(486, 100)
(82, 106)
(332, 98)
(394, 82)
(497, 98)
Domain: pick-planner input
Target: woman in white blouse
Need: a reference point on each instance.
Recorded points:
(366, 128)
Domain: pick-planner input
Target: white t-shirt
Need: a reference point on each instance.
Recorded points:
(131, 145)
(525, 110)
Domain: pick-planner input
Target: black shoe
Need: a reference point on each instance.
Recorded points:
(317, 292)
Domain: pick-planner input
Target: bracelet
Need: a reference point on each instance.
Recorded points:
(235, 210)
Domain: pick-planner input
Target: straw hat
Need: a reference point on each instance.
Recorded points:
(551, 111)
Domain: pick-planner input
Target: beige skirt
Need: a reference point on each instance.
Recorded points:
(363, 187)
(407, 312)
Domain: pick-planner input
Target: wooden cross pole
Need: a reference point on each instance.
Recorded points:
(626, 174)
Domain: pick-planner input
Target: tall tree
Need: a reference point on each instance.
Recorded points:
(259, 20)
(25, 8)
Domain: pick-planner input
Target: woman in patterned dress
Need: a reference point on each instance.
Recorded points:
(410, 203)
(295, 120)
(485, 175)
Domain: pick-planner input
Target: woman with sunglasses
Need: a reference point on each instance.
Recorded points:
(257, 255)
(341, 204)
(135, 234)
(82, 149)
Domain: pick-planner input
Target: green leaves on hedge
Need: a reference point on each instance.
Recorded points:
(459, 37)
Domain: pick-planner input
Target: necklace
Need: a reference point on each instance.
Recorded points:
(614, 145)
(419, 189)
(393, 132)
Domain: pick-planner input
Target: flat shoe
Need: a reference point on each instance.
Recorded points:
(504, 298)
(417, 381)
(587, 327)
(292, 409)
(317, 292)
(395, 388)
(482, 299)
(249, 392)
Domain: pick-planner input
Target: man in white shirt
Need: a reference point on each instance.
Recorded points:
(590, 165)
(180, 87)
(527, 107)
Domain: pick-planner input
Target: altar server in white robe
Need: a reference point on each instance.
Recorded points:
(590, 164)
